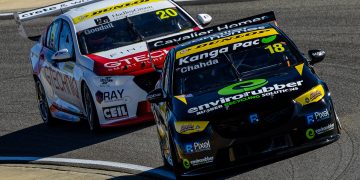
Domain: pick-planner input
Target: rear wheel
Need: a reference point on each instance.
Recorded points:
(43, 104)
(90, 110)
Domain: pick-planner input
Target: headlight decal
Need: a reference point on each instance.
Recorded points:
(314, 95)
(189, 127)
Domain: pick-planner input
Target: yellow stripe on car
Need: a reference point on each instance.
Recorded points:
(109, 9)
(225, 41)
(314, 95)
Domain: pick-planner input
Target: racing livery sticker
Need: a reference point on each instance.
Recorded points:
(206, 160)
(252, 89)
(311, 133)
(314, 95)
(317, 117)
(189, 127)
(225, 41)
(110, 9)
(196, 147)
(115, 112)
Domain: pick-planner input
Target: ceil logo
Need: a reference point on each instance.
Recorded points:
(243, 86)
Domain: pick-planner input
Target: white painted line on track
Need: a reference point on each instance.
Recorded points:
(64, 161)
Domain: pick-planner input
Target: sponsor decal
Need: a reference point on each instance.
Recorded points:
(243, 86)
(102, 20)
(132, 60)
(197, 66)
(186, 163)
(225, 41)
(105, 81)
(52, 8)
(311, 133)
(314, 95)
(115, 112)
(223, 30)
(317, 117)
(254, 118)
(215, 53)
(197, 147)
(205, 160)
(61, 82)
(98, 29)
(189, 127)
(269, 39)
(110, 9)
(327, 128)
(252, 89)
(111, 96)
(131, 12)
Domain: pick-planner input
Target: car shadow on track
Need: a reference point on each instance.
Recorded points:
(43, 141)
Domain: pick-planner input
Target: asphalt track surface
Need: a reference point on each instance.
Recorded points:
(331, 25)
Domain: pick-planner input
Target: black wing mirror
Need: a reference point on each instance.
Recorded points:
(156, 96)
(316, 56)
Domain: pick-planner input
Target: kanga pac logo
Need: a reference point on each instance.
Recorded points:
(243, 86)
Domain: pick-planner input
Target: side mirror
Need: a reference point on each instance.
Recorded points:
(316, 56)
(156, 96)
(204, 19)
(62, 55)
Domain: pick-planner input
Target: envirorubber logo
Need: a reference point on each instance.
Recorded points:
(243, 86)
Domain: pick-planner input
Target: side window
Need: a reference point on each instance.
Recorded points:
(65, 40)
(52, 38)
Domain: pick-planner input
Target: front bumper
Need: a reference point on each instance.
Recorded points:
(216, 150)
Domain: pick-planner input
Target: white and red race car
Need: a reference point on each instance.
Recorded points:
(92, 62)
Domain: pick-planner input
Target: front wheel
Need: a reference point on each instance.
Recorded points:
(43, 104)
(174, 156)
(90, 110)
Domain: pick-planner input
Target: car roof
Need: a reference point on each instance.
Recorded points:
(84, 16)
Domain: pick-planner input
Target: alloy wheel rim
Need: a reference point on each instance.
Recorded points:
(88, 108)
(42, 104)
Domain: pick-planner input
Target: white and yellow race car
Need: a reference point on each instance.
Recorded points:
(93, 62)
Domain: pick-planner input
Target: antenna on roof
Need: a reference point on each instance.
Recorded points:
(151, 59)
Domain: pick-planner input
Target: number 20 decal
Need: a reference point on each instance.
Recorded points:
(167, 13)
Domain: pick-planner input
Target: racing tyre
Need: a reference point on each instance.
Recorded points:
(176, 167)
(43, 104)
(90, 110)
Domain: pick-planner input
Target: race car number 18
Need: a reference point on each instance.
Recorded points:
(275, 48)
(167, 13)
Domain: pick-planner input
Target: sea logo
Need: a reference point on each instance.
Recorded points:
(243, 86)
(189, 148)
(310, 133)
(310, 119)
(254, 118)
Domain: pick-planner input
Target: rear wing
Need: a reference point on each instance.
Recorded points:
(51, 10)
(175, 40)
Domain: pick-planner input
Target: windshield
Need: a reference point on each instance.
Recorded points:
(130, 30)
(223, 66)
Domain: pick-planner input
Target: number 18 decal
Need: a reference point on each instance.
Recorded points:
(167, 13)
(275, 48)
